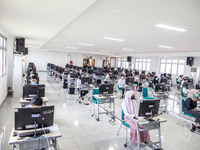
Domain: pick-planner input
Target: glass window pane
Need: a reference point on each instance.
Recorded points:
(140, 60)
(148, 67)
(175, 60)
(140, 66)
(1, 62)
(148, 60)
(1, 41)
(144, 66)
(136, 60)
(124, 64)
(180, 69)
(144, 60)
(136, 65)
(127, 65)
(181, 61)
(4, 62)
(119, 63)
(4, 43)
(168, 68)
(169, 61)
(174, 68)
(162, 68)
(163, 60)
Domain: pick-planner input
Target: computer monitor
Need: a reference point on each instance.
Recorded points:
(106, 89)
(66, 73)
(198, 86)
(86, 80)
(190, 81)
(136, 72)
(84, 70)
(29, 118)
(142, 76)
(75, 67)
(160, 87)
(98, 81)
(33, 90)
(115, 72)
(129, 81)
(143, 72)
(73, 75)
(149, 108)
(163, 80)
(112, 76)
(90, 71)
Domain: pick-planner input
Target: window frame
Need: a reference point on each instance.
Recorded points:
(141, 62)
(3, 49)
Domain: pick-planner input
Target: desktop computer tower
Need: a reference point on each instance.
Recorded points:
(71, 90)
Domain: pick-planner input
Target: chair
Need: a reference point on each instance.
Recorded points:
(145, 93)
(184, 113)
(94, 100)
(119, 91)
(152, 86)
(126, 125)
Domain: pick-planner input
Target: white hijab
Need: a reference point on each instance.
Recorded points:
(130, 103)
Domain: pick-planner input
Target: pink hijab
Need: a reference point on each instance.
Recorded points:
(129, 103)
(191, 94)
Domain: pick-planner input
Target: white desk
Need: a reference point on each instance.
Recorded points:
(28, 143)
(148, 125)
(23, 101)
(103, 100)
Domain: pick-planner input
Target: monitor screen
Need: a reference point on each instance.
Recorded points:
(106, 89)
(86, 80)
(160, 87)
(26, 118)
(38, 89)
(148, 107)
(129, 81)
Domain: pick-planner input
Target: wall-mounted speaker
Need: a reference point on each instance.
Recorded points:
(129, 58)
(189, 61)
(20, 45)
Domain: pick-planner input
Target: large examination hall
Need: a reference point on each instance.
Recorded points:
(99, 74)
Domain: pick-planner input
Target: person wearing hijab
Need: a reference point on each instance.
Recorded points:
(129, 107)
(79, 81)
(190, 107)
(155, 81)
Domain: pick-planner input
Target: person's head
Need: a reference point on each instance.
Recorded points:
(33, 80)
(31, 71)
(193, 94)
(181, 76)
(122, 76)
(36, 101)
(156, 77)
(82, 75)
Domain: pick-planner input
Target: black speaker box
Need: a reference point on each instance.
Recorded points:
(190, 61)
(129, 58)
(20, 45)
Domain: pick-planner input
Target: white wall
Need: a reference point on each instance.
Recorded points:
(41, 58)
(4, 79)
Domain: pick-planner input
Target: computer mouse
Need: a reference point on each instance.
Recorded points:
(15, 133)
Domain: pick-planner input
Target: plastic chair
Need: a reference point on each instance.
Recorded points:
(126, 125)
(94, 100)
(184, 113)
(145, 93)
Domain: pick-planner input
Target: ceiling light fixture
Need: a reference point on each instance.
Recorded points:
(114, 39)
(71, 47)
(163, 46)
(85, 44)
(170, 27)
(128, 49)
(104, 50)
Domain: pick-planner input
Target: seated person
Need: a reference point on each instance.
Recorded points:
(121, 84)
(129, 107)
(107, 78)
(183, 81)
(69, 74)
(180, 78)
(190, 107)
(147, 76)
(185, 89)
(155, 81)
(123, 72)
(33, 80)
(35, 102)
(79, 81)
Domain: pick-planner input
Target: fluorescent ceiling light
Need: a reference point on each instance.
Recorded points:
(104, 50)
(128, 49)
(114, 39)
(85, 44)
(71, 47)
(170, 27)
(163, 46)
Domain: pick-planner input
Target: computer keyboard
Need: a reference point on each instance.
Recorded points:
(31, 133)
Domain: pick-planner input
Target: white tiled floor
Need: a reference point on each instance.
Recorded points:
(80, 131)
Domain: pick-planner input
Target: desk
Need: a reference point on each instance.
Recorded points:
(23, 101)
(148, 125)
(103, 100)
(28, 143)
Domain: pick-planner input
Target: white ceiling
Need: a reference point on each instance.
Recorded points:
(54, 25)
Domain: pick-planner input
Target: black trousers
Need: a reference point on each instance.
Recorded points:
(122, 90)
(196, 114)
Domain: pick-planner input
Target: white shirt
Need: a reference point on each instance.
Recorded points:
(185, 91)
(107, 76)
(121, 83)
(78, 83)
(182, 83)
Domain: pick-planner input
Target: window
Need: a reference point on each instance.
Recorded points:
(143, 64)
(119, 60)
(172, 66)
(3, 54)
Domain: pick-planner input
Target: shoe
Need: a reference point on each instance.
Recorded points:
(193, 128)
